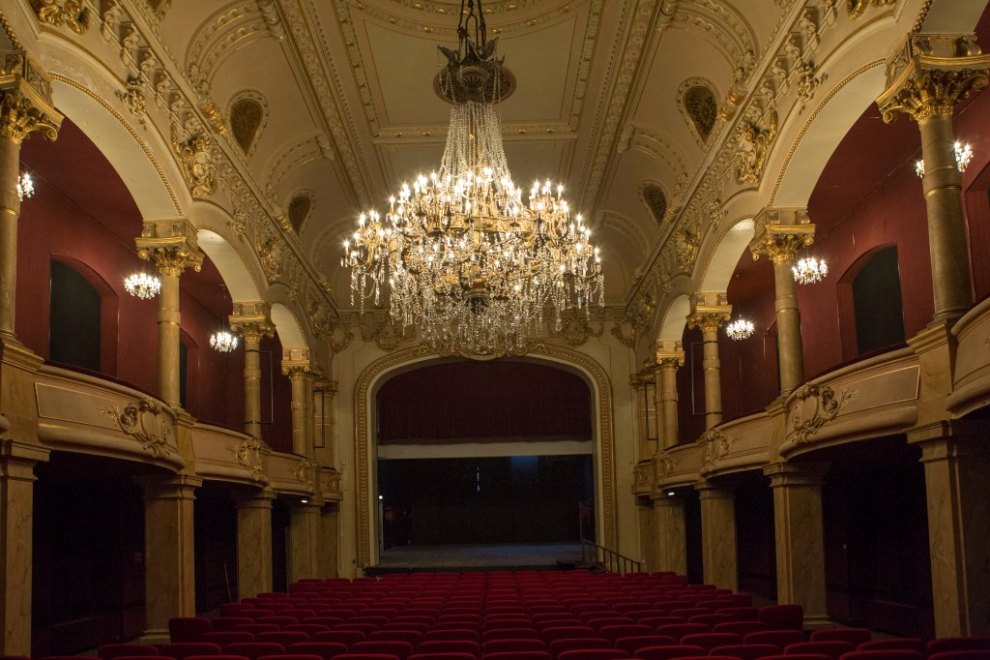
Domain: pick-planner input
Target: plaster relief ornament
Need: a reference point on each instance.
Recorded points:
(197, 163)
(755, 140)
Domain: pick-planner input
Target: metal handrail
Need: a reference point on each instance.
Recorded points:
(613, 561)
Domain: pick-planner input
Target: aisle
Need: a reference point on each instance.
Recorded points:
(480, 556)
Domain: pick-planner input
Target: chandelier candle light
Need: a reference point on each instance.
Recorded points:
(142, 285)
(739, 329)
(964, 154)
(809, 270)
(459, 253)
(223, 341)
(25, 186)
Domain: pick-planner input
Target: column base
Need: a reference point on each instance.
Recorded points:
(155, 636)
(817, 622)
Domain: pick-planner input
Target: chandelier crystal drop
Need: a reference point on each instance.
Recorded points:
(964, 155)
(142, 285)
(25, 186)
(463, 254)
(739, 329)
(809, 270)
(223, 341)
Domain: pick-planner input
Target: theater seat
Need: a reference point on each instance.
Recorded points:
(182, 650)
(854, 636)
(188, 628)
(325, 650)
(746, 651)
(593, 654)
(111, 651)
(834, 650)
(883, 654)
(668, 651)
(783, 617)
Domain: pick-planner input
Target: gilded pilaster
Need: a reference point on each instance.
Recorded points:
(926, 77)
(709, 310)
(170, 245)
(25, 108)
(780, 234)
(253, 321)
(799, 537)
(669, 357)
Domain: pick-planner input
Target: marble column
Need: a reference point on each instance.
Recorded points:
(780, 233)
(957, 462)
(326, 559)
(671, 533)
(304, 541)
(295, 365)
(926, 77)
(169, 550)
(709, 310)
(799, 537)
(17, 461)
(670, 357)
(253, 321)
(718, 535)
(254, 544)
(170, 245)
(25, 108)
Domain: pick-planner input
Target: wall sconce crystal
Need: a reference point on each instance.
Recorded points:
(740, 329)
(223, 341)
(142, 285)
(964, 155)
(25, 186)
(809, 270)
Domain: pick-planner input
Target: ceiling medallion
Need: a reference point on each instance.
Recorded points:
(459, 254)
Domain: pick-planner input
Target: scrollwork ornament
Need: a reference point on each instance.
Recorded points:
(716, 445)
(147, 422)
(197, 163)
(827, 406)
(755, 140)
(857, 8)
(663, 465)
(248, 455)
(304, 472)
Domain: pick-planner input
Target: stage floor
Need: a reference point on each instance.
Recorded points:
(479, 556)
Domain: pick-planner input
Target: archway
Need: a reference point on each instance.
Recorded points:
(378, 374)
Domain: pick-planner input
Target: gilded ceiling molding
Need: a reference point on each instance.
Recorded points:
(719, 22)
(329, 100)
(642, 25)
(74, 14)
(655, 146)
(226, 30)
(601, 387)
(290, 159)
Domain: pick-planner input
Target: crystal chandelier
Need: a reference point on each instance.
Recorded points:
(739, 329)
(964, 154)
(809, 270)
(142, 285)
(25, 186)
(460, 254)
(223, 341)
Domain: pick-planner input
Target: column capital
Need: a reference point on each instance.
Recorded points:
(25, 99)
(669, 353)
(950, 439)
(296, 362)
(252, 319)
(709, 310)
(170, 244)
(708, 490)
(780, 233)
(175, 487)
(260, 499)
(930, 73)
(795, 474)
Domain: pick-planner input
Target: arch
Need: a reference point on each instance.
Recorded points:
(697, 99)
(381, 370)
(887, 328)
(300, 208)
(109, 305)
(248, 115)
(717, 271)
(239, 280)
(655, 199)
(675, 318)
(290, 333)
(156, 184)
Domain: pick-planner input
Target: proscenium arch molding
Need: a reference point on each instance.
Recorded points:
(603, 429)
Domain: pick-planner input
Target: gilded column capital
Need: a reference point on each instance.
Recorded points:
(252, 319)
(781, 233)
(170, 244)
(25, 99)
(669, 353)
(709, 310)
(930, 73)
(296, 362)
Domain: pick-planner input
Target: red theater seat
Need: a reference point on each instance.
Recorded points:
(255, 650)
(746, 651)
(188, 628)
(593, 654)
(834, 650)
(668, 651)
(111, 651)
(631, 644)
(884, 654)
(854, 636)
(325, 650)
(783, 617)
